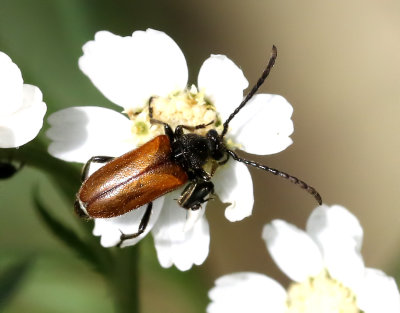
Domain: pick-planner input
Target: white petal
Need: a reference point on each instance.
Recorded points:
(192, 217)
(336, 219)
(344, 265)
(110, 228)
(78, 133)
(25, 123)
(175, 246)
(129, 70)
(378, 293)
(10, 86)
(293, 250)
(264, 125)
(21, 106)
(339, 235)
(223, 83)
(233, 184)
(246, 292)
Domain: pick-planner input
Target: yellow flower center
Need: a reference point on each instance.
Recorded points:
(321, 294)
(185, 107)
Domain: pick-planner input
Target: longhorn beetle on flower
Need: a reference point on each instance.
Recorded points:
(162, 165)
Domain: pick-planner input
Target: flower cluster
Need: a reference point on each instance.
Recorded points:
(21, 106)
(326, 267)
(149, 67)
(146, 76)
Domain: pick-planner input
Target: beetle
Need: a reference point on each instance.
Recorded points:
(162, 165)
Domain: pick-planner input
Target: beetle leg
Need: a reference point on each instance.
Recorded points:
(94, 159)
(200, 172)
(142, 225)
(197, 206)
(224, 161)
(192, 128)
(194, 203)
(150, 107)
(193, 195)
(214, 166)
(167, 129)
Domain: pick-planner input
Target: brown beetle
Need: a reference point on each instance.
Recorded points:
(132, 180)
(162, 165)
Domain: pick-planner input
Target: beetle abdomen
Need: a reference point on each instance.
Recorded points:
(132, 180)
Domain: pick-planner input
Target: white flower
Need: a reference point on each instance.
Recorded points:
(325, 265)
(21, 106)
(149, 65)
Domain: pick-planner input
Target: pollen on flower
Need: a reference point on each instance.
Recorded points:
(185, 107)
(321, 294)
(141, 128)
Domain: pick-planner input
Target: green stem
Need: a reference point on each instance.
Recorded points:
(120, 269)
(124, 280)
(35, 154)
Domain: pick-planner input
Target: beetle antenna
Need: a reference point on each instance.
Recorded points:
(291, 178)
(260, 81)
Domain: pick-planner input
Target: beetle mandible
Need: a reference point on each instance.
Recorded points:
(162, 165)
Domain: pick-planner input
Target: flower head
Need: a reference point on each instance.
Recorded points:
(325, 265)
(147, 71)
(21, 106)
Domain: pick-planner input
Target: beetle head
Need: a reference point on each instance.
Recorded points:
(215, 145)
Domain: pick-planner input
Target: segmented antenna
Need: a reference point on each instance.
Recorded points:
(260, 81)
(291, 178)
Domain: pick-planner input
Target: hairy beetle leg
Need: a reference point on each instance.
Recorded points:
(179, 128)
(94, 159)
(142, 226)
(197, 206)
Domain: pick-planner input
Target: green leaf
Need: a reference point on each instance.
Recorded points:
(11, 279)
(120, 269)
(70, 238)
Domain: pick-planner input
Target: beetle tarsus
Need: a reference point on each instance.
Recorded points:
(178, 129)
(142, 226)
(150, 107)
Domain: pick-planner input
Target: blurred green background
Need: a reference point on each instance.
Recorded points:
(338, 65)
